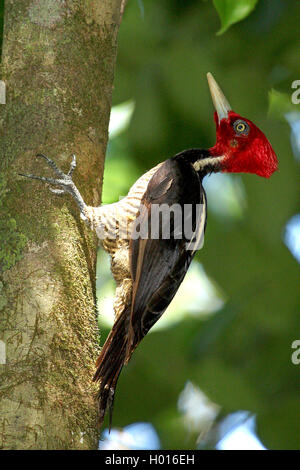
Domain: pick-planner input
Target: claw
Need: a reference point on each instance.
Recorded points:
(52, 164)
(42, 178)
(72, 165)
(57, 191)
(64, 181)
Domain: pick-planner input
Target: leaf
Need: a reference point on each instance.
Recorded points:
(232, 11)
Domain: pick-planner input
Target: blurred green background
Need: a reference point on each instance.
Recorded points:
(229, 331)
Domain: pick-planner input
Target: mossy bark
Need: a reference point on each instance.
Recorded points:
(57, 63)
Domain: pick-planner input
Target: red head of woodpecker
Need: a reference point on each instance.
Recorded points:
(243, 146)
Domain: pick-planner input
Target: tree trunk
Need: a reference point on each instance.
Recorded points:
(57, 64)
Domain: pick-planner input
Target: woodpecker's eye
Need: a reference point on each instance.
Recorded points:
(241, 127)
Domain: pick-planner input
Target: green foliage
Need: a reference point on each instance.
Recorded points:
(233, 11)
(279, 104)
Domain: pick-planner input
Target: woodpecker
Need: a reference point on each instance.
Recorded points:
(147, 265)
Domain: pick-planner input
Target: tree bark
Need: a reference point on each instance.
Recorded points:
(57, 64)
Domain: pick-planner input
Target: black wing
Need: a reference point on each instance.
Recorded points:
(158, 265)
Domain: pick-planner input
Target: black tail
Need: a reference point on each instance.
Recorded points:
(109, 364)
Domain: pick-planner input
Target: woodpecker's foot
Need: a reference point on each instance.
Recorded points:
(64, 182)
